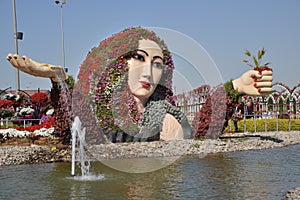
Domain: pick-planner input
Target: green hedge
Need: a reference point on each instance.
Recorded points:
(266, 125)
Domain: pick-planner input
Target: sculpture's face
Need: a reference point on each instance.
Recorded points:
(145, 69)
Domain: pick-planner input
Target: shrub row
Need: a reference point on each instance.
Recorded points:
(265, 125)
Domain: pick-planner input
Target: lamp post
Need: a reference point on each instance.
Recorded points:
(61, 3)
(17, 35)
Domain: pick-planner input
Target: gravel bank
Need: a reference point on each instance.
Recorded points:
(16, 155)
(13, 155)
(228, 143)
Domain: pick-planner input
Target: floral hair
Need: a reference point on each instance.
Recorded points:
(103, 76)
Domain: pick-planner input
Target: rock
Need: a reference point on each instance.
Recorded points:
(61, 146)
(293, 194)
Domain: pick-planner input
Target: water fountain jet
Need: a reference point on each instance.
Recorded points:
(78, 136)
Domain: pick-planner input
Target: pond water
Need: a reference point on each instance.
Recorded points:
(263, 174)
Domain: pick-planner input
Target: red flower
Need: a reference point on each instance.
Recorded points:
(6, 103)
(39, 97)
(46, 124)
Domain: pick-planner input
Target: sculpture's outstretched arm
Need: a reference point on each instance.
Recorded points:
(34, 68)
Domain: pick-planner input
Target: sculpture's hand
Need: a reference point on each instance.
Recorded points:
(34, 68)
(254, 83)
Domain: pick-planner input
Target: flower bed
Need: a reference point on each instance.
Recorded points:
(30, 134)
(16, 108)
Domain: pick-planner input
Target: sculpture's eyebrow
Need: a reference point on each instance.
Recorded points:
(145, 52)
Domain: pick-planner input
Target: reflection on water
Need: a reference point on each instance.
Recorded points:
(265, 174)
(140, 165)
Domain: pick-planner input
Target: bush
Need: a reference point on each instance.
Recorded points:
(6, 113)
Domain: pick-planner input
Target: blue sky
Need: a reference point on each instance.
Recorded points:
(224, 29)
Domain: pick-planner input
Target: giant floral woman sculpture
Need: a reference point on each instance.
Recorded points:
(123, 92)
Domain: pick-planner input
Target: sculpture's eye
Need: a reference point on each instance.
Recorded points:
(158, 65)
(138, 56)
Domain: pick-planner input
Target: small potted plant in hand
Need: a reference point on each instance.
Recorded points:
(257, 61)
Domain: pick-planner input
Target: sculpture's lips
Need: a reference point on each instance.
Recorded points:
(145, 84)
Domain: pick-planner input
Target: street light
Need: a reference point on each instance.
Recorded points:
(61, 3)
(17, 36)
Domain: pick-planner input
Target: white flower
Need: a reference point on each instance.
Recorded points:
(44, 132)
(50, 111)
(25, 111)
(17, 98)
(13, 97)
(8, 133)
(8, 96)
